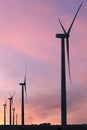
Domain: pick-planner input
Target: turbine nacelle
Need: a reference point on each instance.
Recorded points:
(13, 109)
(62, 35)
(10, 98)
(21, 84)
(4, 105)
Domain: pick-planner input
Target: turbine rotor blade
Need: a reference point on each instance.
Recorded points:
(12, 102)
(13, 94)
(74, 18)
(25, 85)
(67, 46)
(25, 81)
(5, 103)
(10, 94)
(62, 26)
(26, 98)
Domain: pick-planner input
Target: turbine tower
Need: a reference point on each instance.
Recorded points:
(10, 108)
(22, 104)
(5, 105)
(64, 36)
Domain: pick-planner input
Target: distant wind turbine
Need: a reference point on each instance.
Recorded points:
(23, 88)
(5, 105)
(10, 108)
(64, 36)
(16, 119)
(13, 115)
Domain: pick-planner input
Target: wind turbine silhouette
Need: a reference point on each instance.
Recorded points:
(5, 105)
(10, 108)
(23, 88)
(64, 36)
(16, 119)
(13, 115)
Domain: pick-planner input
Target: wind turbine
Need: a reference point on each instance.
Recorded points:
(10, 108)
(5, 105)
(22, 105)
(64, 36)
(16, 119)
(13, 115)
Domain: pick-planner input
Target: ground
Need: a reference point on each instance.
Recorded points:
(42, 127)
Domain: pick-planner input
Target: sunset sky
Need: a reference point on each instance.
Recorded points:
(27, 40)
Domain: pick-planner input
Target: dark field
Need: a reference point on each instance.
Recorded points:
(42, 127)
